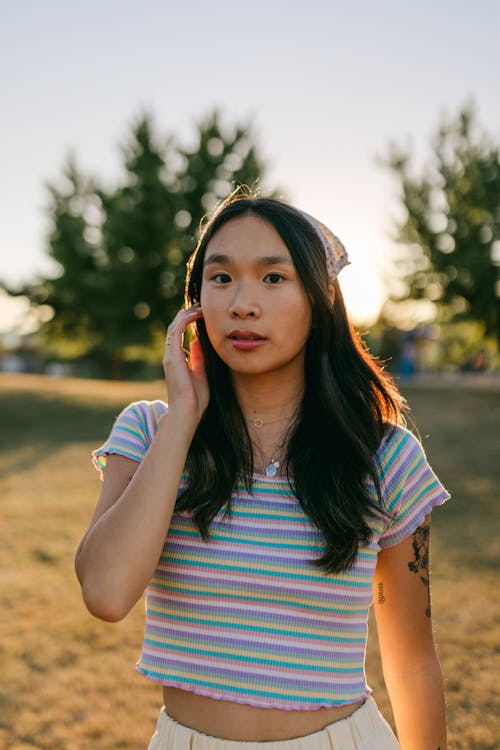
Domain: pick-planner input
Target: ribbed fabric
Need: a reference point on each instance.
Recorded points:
(245, 616)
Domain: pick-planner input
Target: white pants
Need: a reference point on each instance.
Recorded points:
(365, 729)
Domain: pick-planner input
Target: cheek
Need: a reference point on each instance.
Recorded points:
(206, 302)
(300, 318)
(302, 327)
(211, 316)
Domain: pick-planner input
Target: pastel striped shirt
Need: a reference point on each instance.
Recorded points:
(244, 617)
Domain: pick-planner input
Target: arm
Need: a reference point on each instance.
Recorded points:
(409, 661)
(119, 553)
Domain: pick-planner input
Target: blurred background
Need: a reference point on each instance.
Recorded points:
(125, 123)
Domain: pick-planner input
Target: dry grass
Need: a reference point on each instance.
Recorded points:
(68, 680)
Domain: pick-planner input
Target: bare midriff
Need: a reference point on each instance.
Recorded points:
(245, 723)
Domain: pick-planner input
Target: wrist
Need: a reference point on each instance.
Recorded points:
(183, 425)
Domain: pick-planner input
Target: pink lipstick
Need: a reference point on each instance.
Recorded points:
(245, 340)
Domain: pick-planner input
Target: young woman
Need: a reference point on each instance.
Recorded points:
(267, 505)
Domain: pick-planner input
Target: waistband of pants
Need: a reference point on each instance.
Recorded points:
(364, 723)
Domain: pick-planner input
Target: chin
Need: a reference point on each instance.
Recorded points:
(245, 368)
(259, 368)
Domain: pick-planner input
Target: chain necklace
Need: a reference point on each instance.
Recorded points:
(258, 423)
(273, 464)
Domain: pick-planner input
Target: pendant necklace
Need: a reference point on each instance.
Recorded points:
(273, 465)
(272, 468)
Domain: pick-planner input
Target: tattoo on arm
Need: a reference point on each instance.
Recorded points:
(420, 564)
(380, 593)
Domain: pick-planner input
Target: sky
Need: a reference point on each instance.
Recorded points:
(325, 87)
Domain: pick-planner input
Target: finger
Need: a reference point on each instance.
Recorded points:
(175, 331)
(184, 318)
(196, 359)
(173, 342)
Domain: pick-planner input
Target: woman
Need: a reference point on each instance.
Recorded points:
(264, 508)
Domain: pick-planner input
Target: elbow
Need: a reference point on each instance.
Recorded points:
(99, 599)
(102, 606)
(108, 615)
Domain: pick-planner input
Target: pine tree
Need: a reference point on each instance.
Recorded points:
(137, 236)
(72, 293)
(451, 231)
(122, 252)
(222, 160)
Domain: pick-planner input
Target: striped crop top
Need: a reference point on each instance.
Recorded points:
(244, 617)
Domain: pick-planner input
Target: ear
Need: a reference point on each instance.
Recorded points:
(331, 293)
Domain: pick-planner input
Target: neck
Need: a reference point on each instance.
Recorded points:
(269, 396)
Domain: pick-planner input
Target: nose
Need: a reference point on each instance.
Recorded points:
(244, 305)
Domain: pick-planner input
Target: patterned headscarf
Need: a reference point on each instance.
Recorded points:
(335, 252)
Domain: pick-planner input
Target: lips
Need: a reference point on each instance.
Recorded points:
(246, 341)
(238, 335)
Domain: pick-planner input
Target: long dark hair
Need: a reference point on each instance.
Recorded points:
(348, 405)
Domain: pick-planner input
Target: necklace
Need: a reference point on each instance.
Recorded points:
(258, 423)
(273, 464)
(272, 467)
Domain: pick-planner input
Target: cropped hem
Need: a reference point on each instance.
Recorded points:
(282, 705)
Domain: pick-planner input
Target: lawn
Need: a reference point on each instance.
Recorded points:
(68, 681)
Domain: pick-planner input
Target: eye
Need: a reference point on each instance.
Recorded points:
(217, 277)
(274, 278)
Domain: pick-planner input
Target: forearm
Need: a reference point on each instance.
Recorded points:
(120, 552)
(417, 699)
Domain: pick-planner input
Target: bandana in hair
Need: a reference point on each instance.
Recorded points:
(335, 252)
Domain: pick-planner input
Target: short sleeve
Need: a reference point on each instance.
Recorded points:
(410, 487)
(132, 433)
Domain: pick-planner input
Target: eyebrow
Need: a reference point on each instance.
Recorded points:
(265, 260)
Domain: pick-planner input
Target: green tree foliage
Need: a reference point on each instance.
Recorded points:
(72, 292)
(451, 227)
(219, 162)
(122, 252)
(137, 232)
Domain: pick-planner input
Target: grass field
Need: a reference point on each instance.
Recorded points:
(67, 681)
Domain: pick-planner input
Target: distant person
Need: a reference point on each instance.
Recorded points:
(476, 363)
(263, 509)
(408, 359)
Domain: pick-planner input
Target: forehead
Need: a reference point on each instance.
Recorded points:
(248, 235)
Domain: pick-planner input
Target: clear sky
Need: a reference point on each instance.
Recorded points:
(326, 84)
